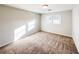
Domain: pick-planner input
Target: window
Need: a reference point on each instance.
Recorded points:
(56, 19)
(19, 32)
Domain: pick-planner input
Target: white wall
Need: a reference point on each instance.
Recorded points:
(11, 19)
(75, 25)
(64, 28)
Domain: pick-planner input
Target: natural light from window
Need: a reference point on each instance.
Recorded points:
(19, 32)
(56, 19)
(31, 25)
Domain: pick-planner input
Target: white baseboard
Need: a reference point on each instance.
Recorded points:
(6, 43)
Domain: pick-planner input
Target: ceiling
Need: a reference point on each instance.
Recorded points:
(38, 9)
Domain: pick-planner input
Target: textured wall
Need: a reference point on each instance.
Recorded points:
(65, 28)
(12, 19)
(75, 25)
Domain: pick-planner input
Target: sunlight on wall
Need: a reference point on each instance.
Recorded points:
(19, 32)
(31, 25)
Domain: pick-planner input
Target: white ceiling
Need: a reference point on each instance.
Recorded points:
(38, 9)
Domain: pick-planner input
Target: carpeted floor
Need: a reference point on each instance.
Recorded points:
(41, 43)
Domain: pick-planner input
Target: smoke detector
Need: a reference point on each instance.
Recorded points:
(49, 9)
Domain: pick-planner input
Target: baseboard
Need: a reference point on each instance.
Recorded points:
(6, 44)
(58, 34)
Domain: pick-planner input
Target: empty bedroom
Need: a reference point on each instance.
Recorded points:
(39, 28)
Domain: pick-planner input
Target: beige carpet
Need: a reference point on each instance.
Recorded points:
(41, 43)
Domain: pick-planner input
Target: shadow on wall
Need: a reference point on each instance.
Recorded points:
(22, 30)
